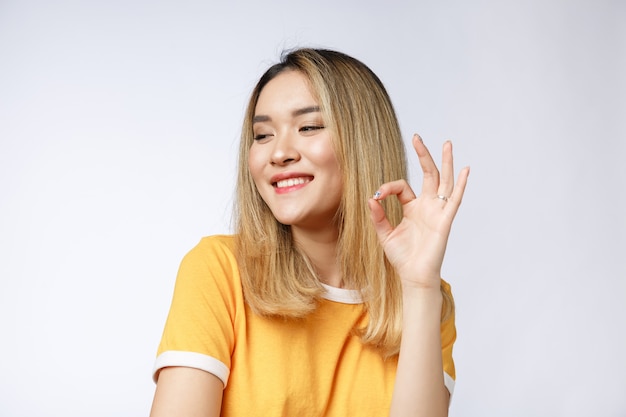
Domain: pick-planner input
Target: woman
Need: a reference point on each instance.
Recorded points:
(301, 311)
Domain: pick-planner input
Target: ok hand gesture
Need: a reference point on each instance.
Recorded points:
(416, 246)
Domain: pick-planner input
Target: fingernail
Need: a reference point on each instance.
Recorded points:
(377, 195)
(419, 137)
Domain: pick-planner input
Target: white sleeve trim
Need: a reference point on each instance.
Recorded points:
(449, 383)
(217, 368)
(191, 360)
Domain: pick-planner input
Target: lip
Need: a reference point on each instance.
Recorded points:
(290, 175)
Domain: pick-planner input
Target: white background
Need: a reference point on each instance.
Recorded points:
(119, 123)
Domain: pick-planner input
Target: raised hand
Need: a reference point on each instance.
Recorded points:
(416, 247)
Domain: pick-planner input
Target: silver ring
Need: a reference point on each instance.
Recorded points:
(442, 197)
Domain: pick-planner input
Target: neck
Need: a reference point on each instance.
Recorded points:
(320, 246)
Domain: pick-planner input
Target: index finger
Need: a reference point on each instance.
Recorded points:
(399, 188)
(430, 184)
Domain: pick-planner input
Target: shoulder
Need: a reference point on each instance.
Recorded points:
(214, 248)
(216, 243)
(211, 262)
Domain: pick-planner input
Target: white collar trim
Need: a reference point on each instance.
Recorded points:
(342, 295)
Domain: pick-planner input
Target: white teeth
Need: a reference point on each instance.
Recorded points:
(291, 182)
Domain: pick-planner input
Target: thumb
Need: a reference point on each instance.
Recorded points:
(379, 220)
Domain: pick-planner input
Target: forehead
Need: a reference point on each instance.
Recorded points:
(287, 91)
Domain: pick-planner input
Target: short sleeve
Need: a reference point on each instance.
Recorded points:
(448, 337)
(199, 331)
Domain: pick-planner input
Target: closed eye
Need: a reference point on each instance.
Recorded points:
(261, 136)
(310, 128)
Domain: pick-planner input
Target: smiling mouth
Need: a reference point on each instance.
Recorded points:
(292, 182)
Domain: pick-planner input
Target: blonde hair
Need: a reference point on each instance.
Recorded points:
(277, 278)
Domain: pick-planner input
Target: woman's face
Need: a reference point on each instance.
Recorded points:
(292, 160)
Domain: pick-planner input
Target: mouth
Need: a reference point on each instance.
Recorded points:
(291, 182)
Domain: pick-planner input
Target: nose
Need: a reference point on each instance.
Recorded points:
(285, 151)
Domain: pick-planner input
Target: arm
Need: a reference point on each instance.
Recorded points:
(419, 388)
(416, 249)
(187, 392)
(193, 359)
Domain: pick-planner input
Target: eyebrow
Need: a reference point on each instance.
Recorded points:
(295, 113)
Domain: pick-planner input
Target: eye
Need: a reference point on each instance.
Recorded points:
(261, 136)
(312, 128)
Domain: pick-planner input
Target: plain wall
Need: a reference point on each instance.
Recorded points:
(119, 124)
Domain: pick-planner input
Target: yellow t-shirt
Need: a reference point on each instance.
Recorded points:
(274, 367)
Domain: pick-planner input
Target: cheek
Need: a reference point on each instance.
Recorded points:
(324, 155)
(328, 160)
(331, 167)
(255, 168)
(254, 163)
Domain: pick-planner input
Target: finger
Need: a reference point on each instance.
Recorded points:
(457, 194)
(381, 225)
(446, 185)
(430, 183)
(399, 188)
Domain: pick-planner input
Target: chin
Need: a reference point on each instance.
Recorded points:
(286, 221)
